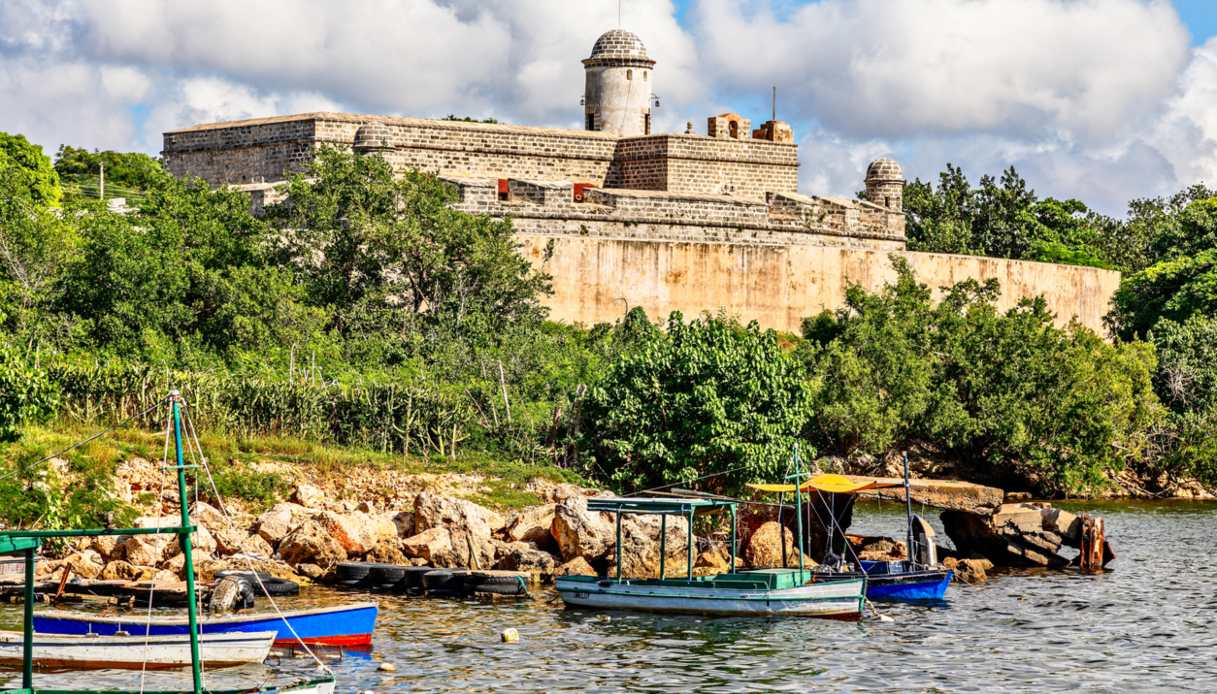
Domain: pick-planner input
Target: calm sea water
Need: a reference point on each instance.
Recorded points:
(1147, 625)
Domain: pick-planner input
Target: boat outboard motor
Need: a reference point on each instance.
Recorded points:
(925, 551)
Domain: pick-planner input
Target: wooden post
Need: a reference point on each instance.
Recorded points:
(1090, 560)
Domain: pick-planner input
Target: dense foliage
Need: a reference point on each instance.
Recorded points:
(364, 311)
(1027, 403)
(705, 397)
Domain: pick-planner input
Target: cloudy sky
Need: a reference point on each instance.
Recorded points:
(1103, 100)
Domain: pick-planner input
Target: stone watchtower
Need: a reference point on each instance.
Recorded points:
(885, 184)
(617, 91)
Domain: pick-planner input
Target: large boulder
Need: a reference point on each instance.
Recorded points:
(145, 550)
(469, 525)
(256, 546)
(429, 545)
(553, 492)
(579, 532)
(281, 519)
(86, 564)
(531, 525)
(640, 547)
(202, 540)
(764, 547)
(525, 556)
(575, 567)
(312, 543)
(123, 571)
(309, 496)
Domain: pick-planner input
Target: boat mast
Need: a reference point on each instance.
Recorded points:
(175, 398)
(798, 509)
(908, 511)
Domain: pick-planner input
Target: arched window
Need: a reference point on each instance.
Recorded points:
(629, 74)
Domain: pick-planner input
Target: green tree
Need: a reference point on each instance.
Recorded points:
(1173, 289)
(708, 396)
(26, 163)
(26, 394)
(389, 257)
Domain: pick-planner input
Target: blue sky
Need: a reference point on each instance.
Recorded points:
(1102, 100)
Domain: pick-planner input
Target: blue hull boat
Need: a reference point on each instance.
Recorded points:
(346, 625)
(892, 581)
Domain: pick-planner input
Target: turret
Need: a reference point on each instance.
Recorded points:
(617, 92)
(885, 184)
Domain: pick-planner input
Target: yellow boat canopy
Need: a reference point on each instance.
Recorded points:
(827, 482)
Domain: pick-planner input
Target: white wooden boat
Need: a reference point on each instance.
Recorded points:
(133, 652)
(744, 593)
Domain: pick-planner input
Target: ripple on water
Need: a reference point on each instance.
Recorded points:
(1146, 626)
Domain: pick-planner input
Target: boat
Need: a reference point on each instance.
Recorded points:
(26, 544)
(759, 592)
(917, 579)
(343, 625)
(136, 652)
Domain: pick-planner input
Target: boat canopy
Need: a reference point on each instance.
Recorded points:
(18, 545)
(656, 505)
(828, 482)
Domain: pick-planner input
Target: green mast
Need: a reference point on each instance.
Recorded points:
(175, 398)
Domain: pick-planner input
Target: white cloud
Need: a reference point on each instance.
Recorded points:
(1097, 99)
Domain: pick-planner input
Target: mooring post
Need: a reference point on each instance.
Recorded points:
(27, 641)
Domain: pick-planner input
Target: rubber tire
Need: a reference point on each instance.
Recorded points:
(444, 582)
(275, 587)
(515, 587)
(412, 583)
(352, 573)
(385, 576)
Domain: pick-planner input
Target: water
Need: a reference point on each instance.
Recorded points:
(1147, 625)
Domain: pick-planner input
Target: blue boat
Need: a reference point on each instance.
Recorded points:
(899, 581)
(345, 625)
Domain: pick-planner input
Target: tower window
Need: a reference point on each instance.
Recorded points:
(644, 77)
(887, 201)
(591, 121)
(646, 123)
(629, 74)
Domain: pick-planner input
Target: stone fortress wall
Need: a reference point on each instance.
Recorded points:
(695, 222)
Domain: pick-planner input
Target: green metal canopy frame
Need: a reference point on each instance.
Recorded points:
(664, 507)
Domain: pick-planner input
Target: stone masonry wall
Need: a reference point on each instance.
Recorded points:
(597, 278)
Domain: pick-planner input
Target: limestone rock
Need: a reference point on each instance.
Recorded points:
(122, 571)
(969, 570)
(764, 548)
(312, 543)
(575, 567)
(86, 564)
(275, 524)
(177, 563)
(107, 546)
(309, 496)
(209, 516)
(640, 547)
(579, 532)
(311, 571)
(553, 492)
(229, 539)
(428, 545)
(255, 545)
(201, 540)
(145, 550)
(882, 550)
(469, 525)
(404, 521)
(526, 556)
(715, 560)
(531, 524)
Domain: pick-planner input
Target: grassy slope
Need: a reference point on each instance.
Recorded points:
(239, 467)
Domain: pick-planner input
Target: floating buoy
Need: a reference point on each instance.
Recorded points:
(387, 667)
(510, 635)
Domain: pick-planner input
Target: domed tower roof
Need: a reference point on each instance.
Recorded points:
(884, 170)
(619, 45)
(372, 137)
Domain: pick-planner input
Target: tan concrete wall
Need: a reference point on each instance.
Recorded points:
(598, 279)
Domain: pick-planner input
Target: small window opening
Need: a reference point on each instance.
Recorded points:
(591, 121)
(644, 77)
(646, 124)
(629, 74)
(887, 201)
(733, 130)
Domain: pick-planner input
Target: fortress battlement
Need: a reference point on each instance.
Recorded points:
(620, 216)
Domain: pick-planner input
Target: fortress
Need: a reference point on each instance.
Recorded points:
(691, 222)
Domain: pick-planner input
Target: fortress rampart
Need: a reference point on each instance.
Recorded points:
(695, 222)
